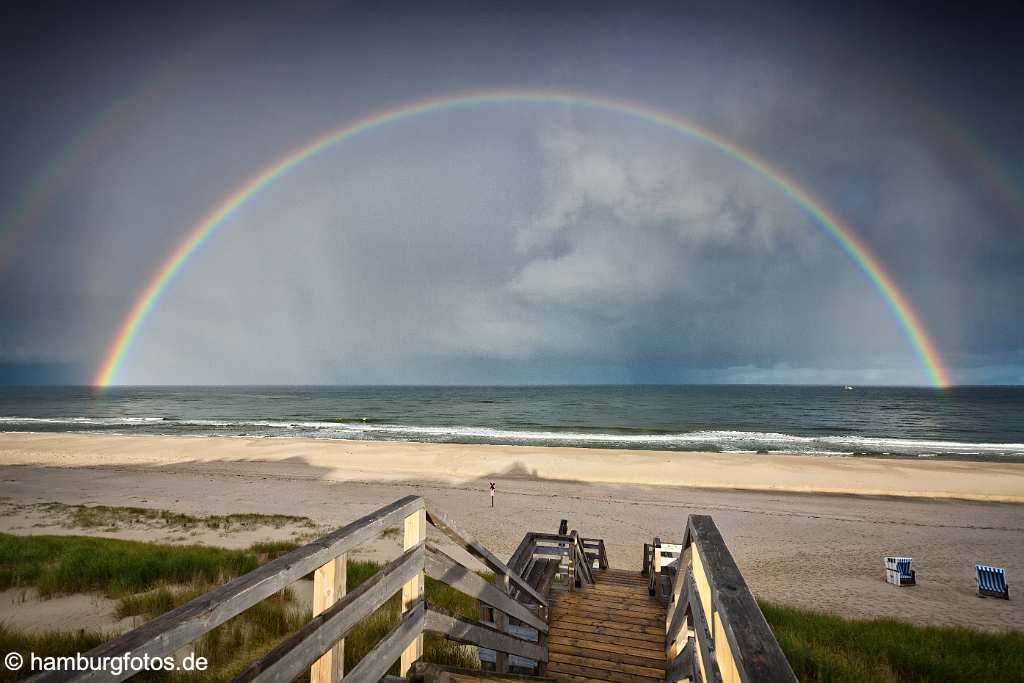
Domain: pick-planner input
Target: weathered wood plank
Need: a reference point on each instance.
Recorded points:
(652, 629)
(424, 671)
(472, 633)
(412, 592)
(299, 650)
(620, 657)
(597, 544)
(446, 526)
(614, 611)
(580, 563)
(624, 619)
(623, 580)
(378, 660)
(577, 673)
(635, 580)
(611, 586)
(167, 633)
(757, 654)
(637, 603)
(683, 665)
(543, 536)
(636, 641)
(329, 584)
(542, 573)
(639, 640)
(679, 609)
(646, 651)
(579, 679)
(702, 631)
(443, 568)
(607, 665)
(520, 559)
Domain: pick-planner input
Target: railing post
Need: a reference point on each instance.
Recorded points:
(329, 584)
(501, 623)
(574, 554)
(571, 568)
(415, 533)
(500, 658)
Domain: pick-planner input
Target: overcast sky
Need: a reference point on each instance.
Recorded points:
(514, 243)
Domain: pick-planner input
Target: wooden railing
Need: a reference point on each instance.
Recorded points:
(318, 646)
(539, 558)
(660, 564)
(714, 629)
(577, 555)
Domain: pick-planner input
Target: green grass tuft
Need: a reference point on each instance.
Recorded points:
(112, 518)
(53, 643)
(271, 550)
(827, 648)
(151, 579)
(77, 564)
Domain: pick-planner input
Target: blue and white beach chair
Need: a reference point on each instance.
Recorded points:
(992, 582)
(898, 571)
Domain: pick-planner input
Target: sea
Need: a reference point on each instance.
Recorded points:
(964, 423)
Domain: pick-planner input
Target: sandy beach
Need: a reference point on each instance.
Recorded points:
(797, 540)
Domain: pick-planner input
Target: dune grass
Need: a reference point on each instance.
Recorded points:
(78, 564)
(827, 648)
(50, 643)
(149, 579)
(113, 518)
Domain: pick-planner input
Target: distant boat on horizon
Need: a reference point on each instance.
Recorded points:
(848, 388)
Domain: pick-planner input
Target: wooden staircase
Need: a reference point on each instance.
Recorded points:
(556, 609)
(612, 630)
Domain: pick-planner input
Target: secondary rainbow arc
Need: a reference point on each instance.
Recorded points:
(834, 226)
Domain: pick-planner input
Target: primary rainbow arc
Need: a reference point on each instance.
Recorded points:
(833, 225)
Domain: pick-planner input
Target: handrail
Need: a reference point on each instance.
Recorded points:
(298, 651)
(446, 526)
(581, 564)
(521, 554)
(521, 557)
(443, 568)
(164, 635)
(731, 639)
(484, 636)
(377, 661)
(316, 646)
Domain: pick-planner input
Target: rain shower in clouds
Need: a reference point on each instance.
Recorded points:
(580, 240)
(511, 243)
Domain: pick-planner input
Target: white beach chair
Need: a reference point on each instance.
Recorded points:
(898, 571)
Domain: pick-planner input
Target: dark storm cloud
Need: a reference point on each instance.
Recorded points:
(513, 244)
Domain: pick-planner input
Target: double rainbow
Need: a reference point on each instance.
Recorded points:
(833, 225)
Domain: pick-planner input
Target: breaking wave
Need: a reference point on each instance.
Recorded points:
(725, 441)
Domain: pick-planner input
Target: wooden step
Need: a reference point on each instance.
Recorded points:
(609, 631)
(423, 672)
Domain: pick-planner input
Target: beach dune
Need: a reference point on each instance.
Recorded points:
(794, 543)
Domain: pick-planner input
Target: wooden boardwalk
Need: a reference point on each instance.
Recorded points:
(590, 625)
(610, 631)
